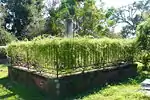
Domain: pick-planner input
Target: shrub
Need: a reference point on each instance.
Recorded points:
(70, 54)
(3, 52)
(143, 35)
(143, 43)
(6, 37)
(143, 56)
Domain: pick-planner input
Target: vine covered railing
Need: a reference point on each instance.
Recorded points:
(62, 56)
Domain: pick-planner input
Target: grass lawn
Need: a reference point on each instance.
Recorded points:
(117, 92)
(127, 90)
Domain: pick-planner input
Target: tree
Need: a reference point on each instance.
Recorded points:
(131, 15)
(5, 37)
(143, 35)
(87, 18)
(90, 18)
(21, 14)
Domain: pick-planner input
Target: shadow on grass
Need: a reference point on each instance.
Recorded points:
(22, 92)
(134, 80)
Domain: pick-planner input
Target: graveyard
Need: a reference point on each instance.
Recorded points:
(74, 50)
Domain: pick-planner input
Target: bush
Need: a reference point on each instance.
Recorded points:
(6, 37)
(143, 43)
(67, 54)
(143, 56)
(3, 52)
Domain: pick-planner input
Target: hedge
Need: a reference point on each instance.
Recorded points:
(70, 54)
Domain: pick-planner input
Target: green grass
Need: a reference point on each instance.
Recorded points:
(117, 92)
(127, 90)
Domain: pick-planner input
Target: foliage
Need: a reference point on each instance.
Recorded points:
(143, 42)
(131, 15)
(93, 20)
(25, 18)
(145, 59)
(143, 56)
(67, 54)
(54, 26)
(87, 18)
(22, 15)
(6, 37)
(143, 35)
(3, 52)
